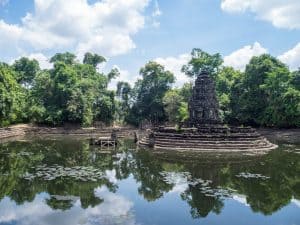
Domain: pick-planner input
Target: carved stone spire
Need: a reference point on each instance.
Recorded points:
(203, 105)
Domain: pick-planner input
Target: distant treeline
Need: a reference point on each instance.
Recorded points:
(266, 94)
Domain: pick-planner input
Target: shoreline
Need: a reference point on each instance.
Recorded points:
(28, 129)
(274, 135)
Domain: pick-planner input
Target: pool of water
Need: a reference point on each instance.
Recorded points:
(66, 181)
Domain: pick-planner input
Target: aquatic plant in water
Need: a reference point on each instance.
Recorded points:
(79, 173)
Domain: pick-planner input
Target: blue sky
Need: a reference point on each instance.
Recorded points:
(132, 32)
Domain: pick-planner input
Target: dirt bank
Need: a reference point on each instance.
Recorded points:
(291, 136)
(28, 129)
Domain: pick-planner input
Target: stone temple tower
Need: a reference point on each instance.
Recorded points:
(203, 105)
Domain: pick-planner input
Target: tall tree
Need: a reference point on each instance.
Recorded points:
(11, 97)
(74, 93)
(224, 84)
(26, 70)
(202, 61)
(67, 58)
(149, 93)
(93, 59)
(175, 107)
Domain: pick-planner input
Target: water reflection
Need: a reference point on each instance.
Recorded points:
(204, 184)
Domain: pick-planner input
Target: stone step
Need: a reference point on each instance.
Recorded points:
(216, 150)
(211, 144)
(181, 136)
(266, 145)
(210, 139)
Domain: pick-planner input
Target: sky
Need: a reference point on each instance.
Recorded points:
(130, 33)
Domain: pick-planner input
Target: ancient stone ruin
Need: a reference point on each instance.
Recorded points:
(203, 105)
(204, 131)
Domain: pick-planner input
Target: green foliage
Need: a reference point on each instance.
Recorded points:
(186, 91)
(67, 58)
(114, 73)
(266, 94)
(123, 94)
(172, 101)
(73, 93)
(11, 97)
(295, 79)
(26, 70)
(224, 83)
(202, 61)
(93, 59)
(259, 97)
(149, 92)
(175, 106)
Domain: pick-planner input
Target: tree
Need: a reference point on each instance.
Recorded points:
(26, 70)
(295, 79)
(253, 99)
(11, 97)
(67, 58)
(114, 73)
(224, 85)
(186, 91)
(202, 61)
(124, 94)
(73, 93)
(172, 101)
(149, 92)
(93, 59)
(175, 107)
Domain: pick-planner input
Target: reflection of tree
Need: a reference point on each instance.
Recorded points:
(200, 204)
(12, 166)
(146, 170)
(65, 152)
(59, 204)
(265, 196)
(268, 196)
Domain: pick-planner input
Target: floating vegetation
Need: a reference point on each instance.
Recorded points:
(65, 198)
(18, 154)
(79, 173)
(24, 154)
(289, 145)
(204, 185)
(4, 174)
(252, 176)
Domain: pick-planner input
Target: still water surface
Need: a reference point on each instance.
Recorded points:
(65, 181)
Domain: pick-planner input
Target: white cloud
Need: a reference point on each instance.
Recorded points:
(105, 27)
(156, 14)
(174, 64)
(241, 199)
(115, 209)
(296, 202)
(241, 57)
(42, 59)
(291, 57)
(282, 14)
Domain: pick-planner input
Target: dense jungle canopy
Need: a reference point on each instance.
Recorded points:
(267, 93)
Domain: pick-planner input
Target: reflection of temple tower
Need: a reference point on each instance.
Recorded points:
(203, 105)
